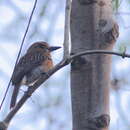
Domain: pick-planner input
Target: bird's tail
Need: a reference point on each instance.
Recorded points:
(14, 96)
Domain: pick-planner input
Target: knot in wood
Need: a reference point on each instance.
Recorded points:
(102, 22)
(87, 2)
(77, 63)
(102, 121)
(112, 35)
(101, 3)
(109, 30)
(99, 122)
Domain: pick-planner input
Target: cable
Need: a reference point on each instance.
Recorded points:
(22, 43)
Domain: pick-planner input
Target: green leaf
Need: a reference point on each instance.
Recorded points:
(122, 48)
(116, 4)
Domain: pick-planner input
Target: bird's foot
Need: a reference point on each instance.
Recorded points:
(45, 73)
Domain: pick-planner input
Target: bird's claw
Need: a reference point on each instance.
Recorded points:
(45, 73)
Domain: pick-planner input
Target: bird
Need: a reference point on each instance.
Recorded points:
(36, 61)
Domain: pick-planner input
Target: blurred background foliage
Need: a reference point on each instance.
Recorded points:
(50, 106)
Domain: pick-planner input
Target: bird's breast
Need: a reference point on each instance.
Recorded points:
(33, 76)
(47, 65)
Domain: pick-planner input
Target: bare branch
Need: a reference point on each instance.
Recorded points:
(67, 29)
(88, 52)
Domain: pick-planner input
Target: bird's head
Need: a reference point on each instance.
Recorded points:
(42, 46)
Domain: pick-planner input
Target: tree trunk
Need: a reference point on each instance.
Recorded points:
(92, 27)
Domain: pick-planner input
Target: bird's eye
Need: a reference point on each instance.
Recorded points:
(41, 46)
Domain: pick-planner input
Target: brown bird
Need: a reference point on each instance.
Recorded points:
(35, 62)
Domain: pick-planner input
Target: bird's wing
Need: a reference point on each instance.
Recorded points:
(26, 64)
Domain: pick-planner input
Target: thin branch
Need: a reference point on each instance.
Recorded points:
(67, 29)
(43, 78)
(20, 50)
(88, 52)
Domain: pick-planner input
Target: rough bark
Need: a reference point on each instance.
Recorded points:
(92, 27)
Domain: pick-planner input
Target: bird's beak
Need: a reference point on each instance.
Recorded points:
(53, 48)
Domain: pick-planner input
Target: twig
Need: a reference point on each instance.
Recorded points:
(88, 52)
(25, 34)
(67, 28)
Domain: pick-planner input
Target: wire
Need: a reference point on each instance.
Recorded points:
(20, 50)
